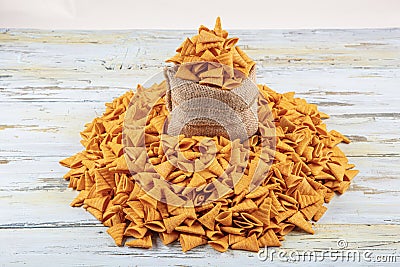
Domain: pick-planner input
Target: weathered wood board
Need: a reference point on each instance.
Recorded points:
(53, 82)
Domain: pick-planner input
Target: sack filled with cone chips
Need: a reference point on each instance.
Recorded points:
(221, 77)
(307, 169)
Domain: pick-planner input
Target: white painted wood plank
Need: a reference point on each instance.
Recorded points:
(91, 246)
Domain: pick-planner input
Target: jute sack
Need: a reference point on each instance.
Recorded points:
(209, 111)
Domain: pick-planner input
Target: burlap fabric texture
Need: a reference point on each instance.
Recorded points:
(202, 110)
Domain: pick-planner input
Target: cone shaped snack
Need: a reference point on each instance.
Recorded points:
(117, 233)
(144, 242)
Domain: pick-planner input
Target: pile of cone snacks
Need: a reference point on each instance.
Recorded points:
(306, 167)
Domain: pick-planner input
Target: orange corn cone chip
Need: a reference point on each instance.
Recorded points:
(195, 229)
(284, 215)
(226, 59)
(218, 27)
(168, 238)
(251, 219)
(216, 168)
(190, 154)
(207, 56)
(221, 244)
(101, 184)
(344, 185)
(337, 170)
(99, 203)
(136, 231)
(229, 43)
(320, 213)
(249, 244)
(208, 37)
(155, 226)
(164, 169)
(188, 48)
(117, 233)
(306, 200)
(96, 213)
(172, 222)
(191, 241)
(196, 180)
(71, 162)
(298, 220)
(233, 239)
(120, 165)
(285, 228)
(237, 58)
(269, 239)
(175, 59)
(79, 200)
(144, 242)
(199, 67)
(262, 216)
(200, 47)
(148, 201)
(232, 230)
(311, 210)
(208, 219)
(243, 55)
(258, 192)
(246, 205)
(214, 235)
(225, 218)
(350, 174)
(151, 214)
(324, 176)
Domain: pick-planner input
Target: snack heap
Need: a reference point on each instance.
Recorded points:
(232, 64)
(307, 170)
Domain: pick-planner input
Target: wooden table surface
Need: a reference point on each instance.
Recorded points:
(53, 82)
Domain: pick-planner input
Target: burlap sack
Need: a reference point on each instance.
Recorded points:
(205, 110)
